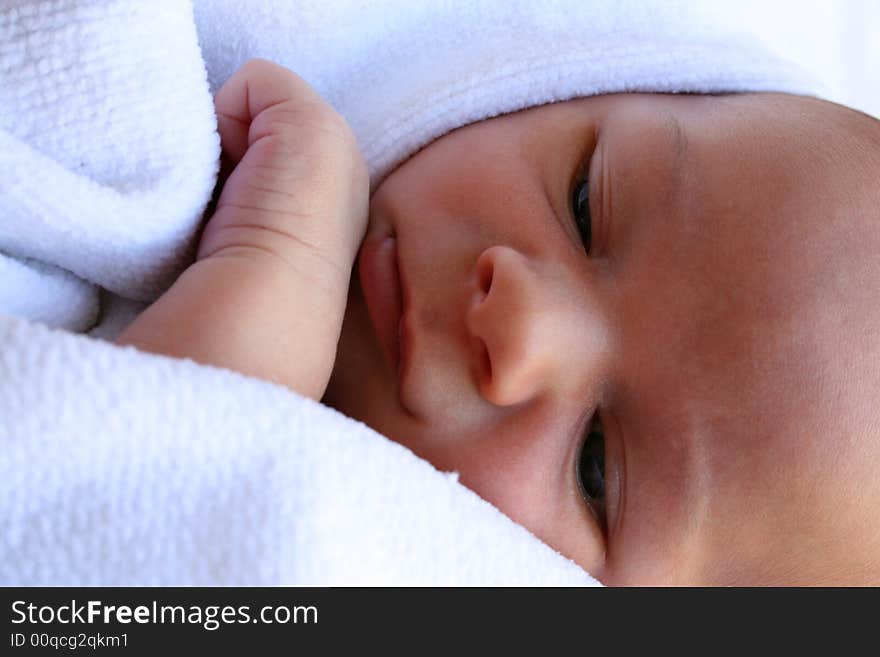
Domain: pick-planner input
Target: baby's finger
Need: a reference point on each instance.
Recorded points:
(254, 88)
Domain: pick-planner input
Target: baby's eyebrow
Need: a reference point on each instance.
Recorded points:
(679, 138)
(680, 144)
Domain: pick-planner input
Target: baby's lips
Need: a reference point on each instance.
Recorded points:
(380, 280)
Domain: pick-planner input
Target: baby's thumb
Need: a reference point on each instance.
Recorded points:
(258, 86)
(299, 180)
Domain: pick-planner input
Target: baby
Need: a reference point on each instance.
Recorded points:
(646, 327)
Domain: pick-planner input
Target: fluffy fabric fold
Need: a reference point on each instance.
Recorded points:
(108, 148)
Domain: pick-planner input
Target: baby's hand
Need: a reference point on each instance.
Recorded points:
(267, 293)
(300, 186)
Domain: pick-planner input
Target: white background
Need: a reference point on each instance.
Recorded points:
(839, 40)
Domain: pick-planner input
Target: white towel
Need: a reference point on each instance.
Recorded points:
(403, 73)
(226, 480)
(108, 150)
(118, 467)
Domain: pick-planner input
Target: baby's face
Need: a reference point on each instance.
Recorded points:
(683, 287)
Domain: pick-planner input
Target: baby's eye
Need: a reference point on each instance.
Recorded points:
(580, 208)
(591, 468)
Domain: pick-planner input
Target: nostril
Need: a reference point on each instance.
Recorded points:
(485, 362)
(481, 366)
(484, 274)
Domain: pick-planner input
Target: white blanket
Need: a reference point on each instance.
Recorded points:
(118, 467)
(167, 472)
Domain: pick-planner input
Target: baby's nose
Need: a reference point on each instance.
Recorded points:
(523, 326)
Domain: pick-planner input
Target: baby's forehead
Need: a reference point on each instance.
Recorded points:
(838, 151)
(822, 147)
(822, 126)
